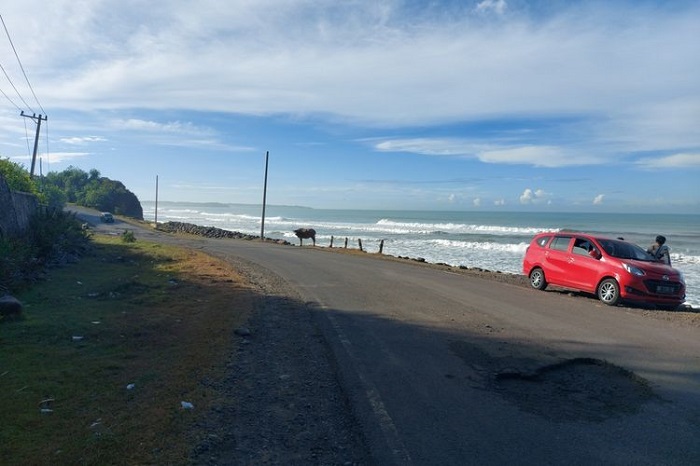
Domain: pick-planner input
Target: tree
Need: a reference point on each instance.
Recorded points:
(93, 190)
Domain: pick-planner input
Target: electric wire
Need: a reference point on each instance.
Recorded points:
(13, 87)
(11, 101)
(21, 67)
(31, 88)
(48, 159)
(26, 136)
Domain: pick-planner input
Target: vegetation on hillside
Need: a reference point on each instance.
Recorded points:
(18, 179)
(76, 186)
(55, 236)
(93, 190)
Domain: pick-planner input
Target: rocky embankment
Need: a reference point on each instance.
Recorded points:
(209, 232)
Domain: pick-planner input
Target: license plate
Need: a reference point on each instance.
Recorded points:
(665, 289)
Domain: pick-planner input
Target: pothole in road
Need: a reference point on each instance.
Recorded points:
(580, 389)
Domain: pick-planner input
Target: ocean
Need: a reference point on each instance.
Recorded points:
(493, 241)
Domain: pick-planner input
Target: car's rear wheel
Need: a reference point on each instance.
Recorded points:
(537, 279)
(609, 292)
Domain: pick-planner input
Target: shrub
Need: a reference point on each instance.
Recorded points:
(15, 255)
(128, 236)
(52, 237)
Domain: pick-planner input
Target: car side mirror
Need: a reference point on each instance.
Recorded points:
(595, 254)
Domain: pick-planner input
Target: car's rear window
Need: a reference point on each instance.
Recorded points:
(560, 243)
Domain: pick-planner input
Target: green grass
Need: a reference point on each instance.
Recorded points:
(155, 316)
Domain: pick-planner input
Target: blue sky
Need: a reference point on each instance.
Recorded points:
(450, 105)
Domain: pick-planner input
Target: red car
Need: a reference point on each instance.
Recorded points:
(613, 269)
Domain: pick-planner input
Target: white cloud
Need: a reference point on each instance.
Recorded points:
(54, 157)
(359, 60)
(598, 200)
(499, 202)
(534, 197)
(60, 157)
(539, 156)
(527, 196)
(497, 6)
(476, 202)
(154, 126)
(82, 140)
(686, 160)
(430, 146)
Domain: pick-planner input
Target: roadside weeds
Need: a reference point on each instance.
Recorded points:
(107, 351)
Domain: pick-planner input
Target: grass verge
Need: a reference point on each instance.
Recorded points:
(155, 316)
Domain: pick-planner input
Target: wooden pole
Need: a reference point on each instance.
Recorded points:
(262, 222)
(156, 201)
(381, 246)
(331, 242)
(38, 121)
(359, 241)
(346, 242)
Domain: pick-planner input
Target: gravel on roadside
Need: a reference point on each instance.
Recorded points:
(285, 404)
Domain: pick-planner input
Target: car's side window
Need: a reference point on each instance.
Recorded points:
(582, 246)
(543, 240)
(560, 243)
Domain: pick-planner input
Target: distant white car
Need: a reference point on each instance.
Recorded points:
(106, 217)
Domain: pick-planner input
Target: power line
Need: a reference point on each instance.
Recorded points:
(10, 100)
(22, 68)
(36, 119)
(48, 161)
(13, 87)
(26, 137)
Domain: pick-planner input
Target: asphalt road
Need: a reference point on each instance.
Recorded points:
(444, 368)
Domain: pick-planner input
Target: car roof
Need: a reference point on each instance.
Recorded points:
(577, 233)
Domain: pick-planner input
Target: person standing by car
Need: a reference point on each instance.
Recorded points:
(660, 251)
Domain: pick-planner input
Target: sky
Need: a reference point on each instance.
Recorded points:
(512, 105)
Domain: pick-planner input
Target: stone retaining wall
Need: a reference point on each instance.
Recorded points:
(16, 210)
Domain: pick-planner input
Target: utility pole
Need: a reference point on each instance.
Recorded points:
(262, 223)
(156, 202)
(38, 120)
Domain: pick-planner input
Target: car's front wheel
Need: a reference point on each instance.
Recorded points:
(609, 292)
(537, 280)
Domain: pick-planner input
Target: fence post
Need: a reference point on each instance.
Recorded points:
(359, 241)
(331, 242)
(381, 246)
